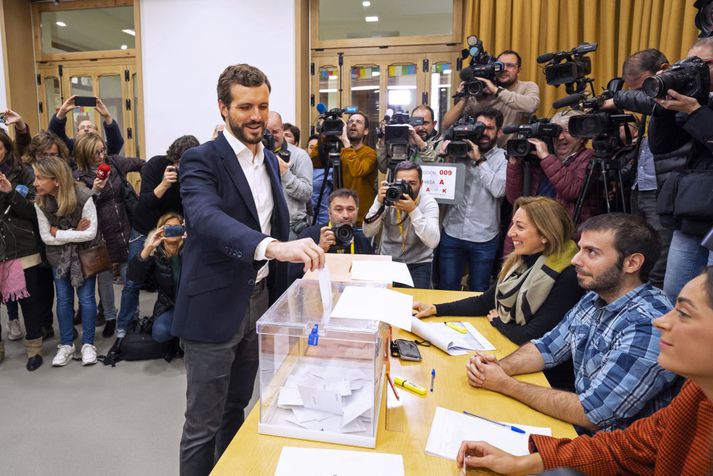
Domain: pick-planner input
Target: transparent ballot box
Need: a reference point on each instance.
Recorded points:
(320, 383)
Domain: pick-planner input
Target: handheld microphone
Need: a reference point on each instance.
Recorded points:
(321, 108)
(389, 113)
(570, 100)
(103, 171)
(23, 191)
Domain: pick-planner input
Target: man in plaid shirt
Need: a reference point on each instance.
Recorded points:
(609, 335)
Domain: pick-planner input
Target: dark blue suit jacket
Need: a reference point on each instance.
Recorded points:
(218, 270)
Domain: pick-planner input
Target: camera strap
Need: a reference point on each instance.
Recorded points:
(404, 235)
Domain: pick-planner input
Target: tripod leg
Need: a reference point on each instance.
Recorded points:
(605, 183)
(583, 193)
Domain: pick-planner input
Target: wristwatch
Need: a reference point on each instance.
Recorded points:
(500, 89)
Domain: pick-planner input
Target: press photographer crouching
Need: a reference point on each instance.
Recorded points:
(339, 234)
(421, 142)
(160, 262)
(683, 114)
(559, 173)
(408, 221)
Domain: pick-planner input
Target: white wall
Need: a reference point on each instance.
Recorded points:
(185, 46)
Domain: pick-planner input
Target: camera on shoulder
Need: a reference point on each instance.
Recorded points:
(541, 129)
(465, 128)
(482, 65)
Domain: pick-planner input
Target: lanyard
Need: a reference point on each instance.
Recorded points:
(404, 235)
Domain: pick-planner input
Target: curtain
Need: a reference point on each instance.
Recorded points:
(620, 27)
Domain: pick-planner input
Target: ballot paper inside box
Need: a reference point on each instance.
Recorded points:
(327, 392)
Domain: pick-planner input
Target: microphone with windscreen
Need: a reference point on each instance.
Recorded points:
(103, 171)
(568, 101)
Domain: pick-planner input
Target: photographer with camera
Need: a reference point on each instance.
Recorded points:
(58, 124)
(684, 114)
(295, 175)
(358, 160)
(650, 172)
(338, 235)
(516, 100)
(561, 172)
(471, 228)
(423, 139)
(409, 221)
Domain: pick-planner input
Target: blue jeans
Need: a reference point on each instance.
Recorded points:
(65, 308)
(453, 254)
(130, 293)
(686, 259)
(421, 275)
(161, 329)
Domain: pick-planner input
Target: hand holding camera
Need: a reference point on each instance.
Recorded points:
(152, 243)
(541, 149)
(326, 238)
(473, 150)
(170, 176)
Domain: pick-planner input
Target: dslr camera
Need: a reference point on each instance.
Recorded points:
(541, 129)
(465, 128)
(689, 77)
(395, 192)
(343, 234)
(569, 67)
(482, 65)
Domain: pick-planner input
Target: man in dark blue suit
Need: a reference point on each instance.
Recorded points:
(237, 221)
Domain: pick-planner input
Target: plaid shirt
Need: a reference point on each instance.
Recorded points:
(614, 348)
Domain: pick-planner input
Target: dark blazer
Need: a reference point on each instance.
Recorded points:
(218, 271)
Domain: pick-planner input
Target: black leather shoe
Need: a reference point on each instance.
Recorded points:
(34, 363)
(114, 354)
(109, 328)
(47, 332)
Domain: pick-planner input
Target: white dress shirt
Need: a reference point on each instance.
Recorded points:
(258, 179)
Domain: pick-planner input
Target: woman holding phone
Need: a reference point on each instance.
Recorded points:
(106, 177)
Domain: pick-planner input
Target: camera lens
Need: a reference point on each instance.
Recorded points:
(343, 234)
(655, 87)
(393, 194)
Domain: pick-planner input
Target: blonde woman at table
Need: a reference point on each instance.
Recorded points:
(678, 439)
(537, 285)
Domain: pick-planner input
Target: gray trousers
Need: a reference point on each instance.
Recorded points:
(644, 205)
(220, 383)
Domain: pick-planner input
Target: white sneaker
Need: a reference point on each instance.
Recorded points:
(64, 355)
(14, 331)
(89, 354)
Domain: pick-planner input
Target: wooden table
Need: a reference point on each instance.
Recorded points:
(409, 420)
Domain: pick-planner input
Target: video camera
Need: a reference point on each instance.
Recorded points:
(395, 191)
(465, 128)
(541, 129)
(569, 67)
(689, 77)
(331, 120)
(343, 234)
(482, 65)
(396, 131)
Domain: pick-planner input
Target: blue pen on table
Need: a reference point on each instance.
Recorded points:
(513, 428)
(433, 377)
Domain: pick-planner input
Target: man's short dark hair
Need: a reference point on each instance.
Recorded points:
(408, 165)
(512, 52)
(631, 234)
(649, 60)
(179, 146)
(492, 114)
(426, 107)
(242, 74)
(362, 114)
(343, 193)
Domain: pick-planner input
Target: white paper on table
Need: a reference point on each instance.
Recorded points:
(449, 429)
(321, 462)
(449, 340)
(320, 399)
(375, 304)
(381, 271)
(325, 290)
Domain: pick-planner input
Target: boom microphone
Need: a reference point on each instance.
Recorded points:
(511, 129)
(545, 57)
(566, 101)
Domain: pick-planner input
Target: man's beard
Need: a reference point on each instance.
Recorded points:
(486, 147)
(239, 131)
(506, 83)
(354, 138)
(607, 283)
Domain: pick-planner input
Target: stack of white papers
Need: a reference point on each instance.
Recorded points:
(449, 429)
(378, 304)
(449, 340)
(333, 398)
(319, 462)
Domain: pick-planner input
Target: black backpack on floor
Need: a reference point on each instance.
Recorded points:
(138, 344)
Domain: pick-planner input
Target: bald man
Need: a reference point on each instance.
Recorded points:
(296, 175)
